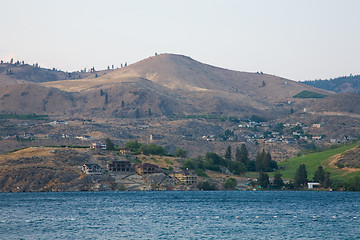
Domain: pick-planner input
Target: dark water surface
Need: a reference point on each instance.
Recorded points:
(180, 215)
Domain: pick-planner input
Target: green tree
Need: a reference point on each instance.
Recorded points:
(327, 181)
(137, 113)
(213, 158)
(264, 162)
(242, 154)
(122, 103)
(189, 164)
(237, 155)
(263, 180)
(179, 152)
(322, 177)
(300, 179)
(250, 165)
(106, 98)
(278, 181)
(133, 145)
(319, 175)
(109, 144)
(230, 183)
(228, 153)
(149, 112)
(236, 167)
(154, 149)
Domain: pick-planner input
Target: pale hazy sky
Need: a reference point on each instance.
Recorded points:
(299, 40)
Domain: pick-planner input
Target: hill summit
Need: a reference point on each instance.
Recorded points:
(161, 85)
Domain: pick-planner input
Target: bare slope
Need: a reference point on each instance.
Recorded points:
(169, 84)
(27, 98)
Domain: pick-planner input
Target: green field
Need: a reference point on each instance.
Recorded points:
(308, 94)
(314, 160)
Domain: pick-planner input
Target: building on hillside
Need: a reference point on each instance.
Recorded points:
(90, 168)
(317, 138)
(120, 166)
(58, 122)
(185, 177)
(125, 152)
(98, 145)
(146, 168)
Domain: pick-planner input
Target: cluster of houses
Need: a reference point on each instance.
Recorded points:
(274, 136)
(142, 168)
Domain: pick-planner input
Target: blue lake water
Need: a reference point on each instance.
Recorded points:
(180, 215)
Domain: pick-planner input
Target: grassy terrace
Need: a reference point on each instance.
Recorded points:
(314, 160)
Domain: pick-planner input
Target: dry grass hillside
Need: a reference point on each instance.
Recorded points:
(174, 84)
(33, 98)
(165, 84)
(18, 72)
(346, 102)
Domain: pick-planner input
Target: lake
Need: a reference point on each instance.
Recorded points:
(181, 215)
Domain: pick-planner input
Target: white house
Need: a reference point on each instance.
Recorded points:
(312, 185)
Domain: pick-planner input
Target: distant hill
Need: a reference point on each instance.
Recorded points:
(162, 85)
(14, 73)
(347, 84)
(170, 84)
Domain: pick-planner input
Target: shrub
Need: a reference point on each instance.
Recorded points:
(154, 149)
(230, 183)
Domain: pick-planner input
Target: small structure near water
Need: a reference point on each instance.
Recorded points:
(312, 185)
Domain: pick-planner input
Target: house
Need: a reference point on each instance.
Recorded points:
(125, 151)
(27, 136)
(185, 177)
(120, 166)
(146, 168)
(275, 134)
(89, 168)
(317, 138)
(303, 138)
(289, 140)
(83, 137)
(312, 185)
(98, 145)
(210, 138)
(317, 125)
(58, 122)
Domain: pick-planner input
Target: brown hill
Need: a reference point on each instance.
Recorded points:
(27, 98)
(165, 84)
(15, 73)
(346, 102)
(174, 84)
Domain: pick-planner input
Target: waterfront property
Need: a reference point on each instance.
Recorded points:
(120, 166)
(90, 168)
(312, 185)
(146, 168)
(185, 177)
